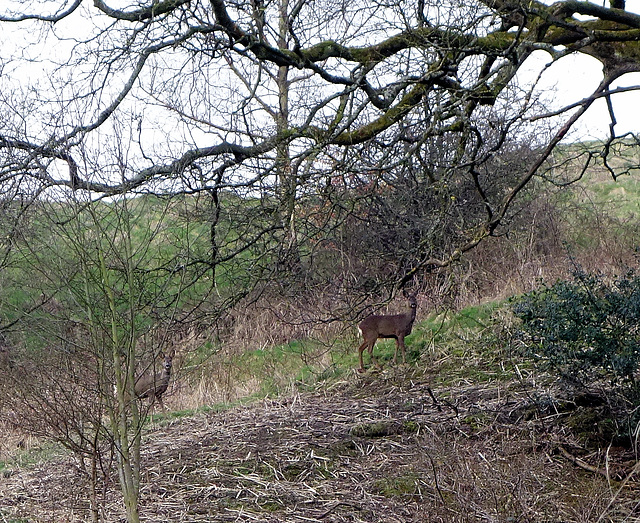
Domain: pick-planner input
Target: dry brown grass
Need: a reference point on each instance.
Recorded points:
(374, 449)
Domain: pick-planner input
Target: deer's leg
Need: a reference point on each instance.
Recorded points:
(360, 351)
(400, 345)
(395, 354)
(373, 358)
(148, 407)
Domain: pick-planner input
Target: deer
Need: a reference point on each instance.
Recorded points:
(379, 326)
(155, 385)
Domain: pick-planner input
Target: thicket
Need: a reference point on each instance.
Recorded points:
(585, 330)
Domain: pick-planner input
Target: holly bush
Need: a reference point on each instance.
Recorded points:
(586, 328)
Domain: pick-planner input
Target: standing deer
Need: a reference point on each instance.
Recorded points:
(387, 326)
(155, 385)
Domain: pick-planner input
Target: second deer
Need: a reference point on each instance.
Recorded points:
(387, 326)
(155, 385)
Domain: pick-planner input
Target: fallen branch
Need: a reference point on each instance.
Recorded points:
(582, 464)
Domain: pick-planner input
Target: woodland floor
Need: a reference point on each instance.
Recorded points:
(373, 449)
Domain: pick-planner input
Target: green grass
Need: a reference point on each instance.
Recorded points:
(9, 519)
(465, 343)
(599, 190)
(620, 197)
(44, 451)
(308, 365)
(401, 486)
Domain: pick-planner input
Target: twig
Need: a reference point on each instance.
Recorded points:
(336, 505)
(435, 401)
(623, 483)
(582, 464)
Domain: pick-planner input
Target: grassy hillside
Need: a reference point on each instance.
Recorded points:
(269, 421)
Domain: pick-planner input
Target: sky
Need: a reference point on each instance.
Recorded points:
(570, 79)
(577, 76)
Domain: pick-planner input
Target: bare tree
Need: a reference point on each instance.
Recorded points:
(365, 74)
(95, 285)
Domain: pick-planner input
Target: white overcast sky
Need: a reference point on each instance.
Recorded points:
(570, 79)
(577, 76)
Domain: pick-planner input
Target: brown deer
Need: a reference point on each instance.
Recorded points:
(387, 326)
(155, 385)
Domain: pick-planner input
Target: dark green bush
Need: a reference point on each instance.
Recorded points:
(586, 329)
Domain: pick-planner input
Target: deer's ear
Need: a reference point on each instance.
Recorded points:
(172, 353)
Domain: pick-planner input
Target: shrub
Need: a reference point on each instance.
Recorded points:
(586, 329)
